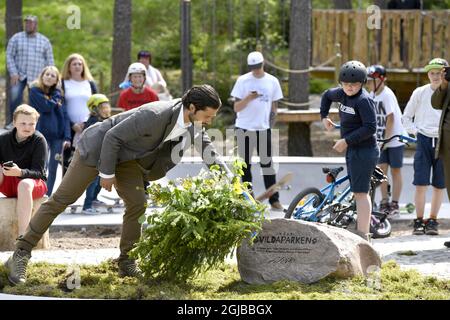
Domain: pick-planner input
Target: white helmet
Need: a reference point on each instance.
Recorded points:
(137, 67)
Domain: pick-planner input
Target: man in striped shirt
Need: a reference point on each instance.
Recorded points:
(28, 52)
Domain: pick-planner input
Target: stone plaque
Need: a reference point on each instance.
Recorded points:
(303, 251)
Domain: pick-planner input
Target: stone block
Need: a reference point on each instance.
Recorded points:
(288, 249)
(9, 225)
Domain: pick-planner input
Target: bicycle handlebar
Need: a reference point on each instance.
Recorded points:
(400, 137)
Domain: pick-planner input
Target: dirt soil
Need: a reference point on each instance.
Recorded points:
(85, 238)
(109, 237)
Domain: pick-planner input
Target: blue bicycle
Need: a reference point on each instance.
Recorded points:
(338, 208)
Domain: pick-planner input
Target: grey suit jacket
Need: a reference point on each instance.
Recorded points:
(139, 134)
(441, 100)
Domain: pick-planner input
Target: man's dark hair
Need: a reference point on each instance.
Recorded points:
(201, 96)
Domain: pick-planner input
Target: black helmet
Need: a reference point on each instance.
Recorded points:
(353, 71)
(376, 71)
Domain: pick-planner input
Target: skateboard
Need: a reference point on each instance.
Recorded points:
(280, 185)
(407, 209)
(109, 207)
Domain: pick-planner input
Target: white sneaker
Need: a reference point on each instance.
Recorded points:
(91, 211)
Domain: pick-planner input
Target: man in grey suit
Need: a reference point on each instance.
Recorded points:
(124, 150)
(441, 100)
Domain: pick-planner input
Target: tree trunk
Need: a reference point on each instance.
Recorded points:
(299, 143)
(121, 51)
(14, 24)
(186, 56)
(342, 4)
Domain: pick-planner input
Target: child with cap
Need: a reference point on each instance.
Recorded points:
(100, 109)
(256, 95)
(419, 118)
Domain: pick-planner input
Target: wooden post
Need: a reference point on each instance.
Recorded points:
(186, 56)
(299, 142)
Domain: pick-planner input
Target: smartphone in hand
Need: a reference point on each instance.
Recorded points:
(8, 164)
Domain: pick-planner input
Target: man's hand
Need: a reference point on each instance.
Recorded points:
(328, 124)
(107, 183)
(14, 79)
(340, 145)
(78, 127)
(13, 171)
(66, 145)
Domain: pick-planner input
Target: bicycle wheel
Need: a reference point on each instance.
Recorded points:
(380, 228)
(309, 199)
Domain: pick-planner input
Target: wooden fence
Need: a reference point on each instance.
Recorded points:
(406, 39)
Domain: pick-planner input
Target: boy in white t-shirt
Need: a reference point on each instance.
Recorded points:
(389, 123)
(421, 119)
(256, 94)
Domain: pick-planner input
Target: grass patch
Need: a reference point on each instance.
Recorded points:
(102, 282)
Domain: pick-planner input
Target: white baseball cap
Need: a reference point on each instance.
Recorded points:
(255, 59)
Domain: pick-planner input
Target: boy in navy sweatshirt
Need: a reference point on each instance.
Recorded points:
(358, 128)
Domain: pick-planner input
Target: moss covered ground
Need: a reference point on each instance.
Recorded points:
(224, 283)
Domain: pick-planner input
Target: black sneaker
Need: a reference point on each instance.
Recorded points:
(128, 268)
(419, 227)
(431, 227)
(17, 266)
(447, 244)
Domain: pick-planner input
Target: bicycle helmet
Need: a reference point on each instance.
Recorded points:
(353, 71)
(376, 71)
(436, 63)
(137, 67)
(95, 100)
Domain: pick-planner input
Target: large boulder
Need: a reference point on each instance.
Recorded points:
(304, 251)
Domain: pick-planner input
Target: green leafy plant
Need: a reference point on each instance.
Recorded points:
(203, 220)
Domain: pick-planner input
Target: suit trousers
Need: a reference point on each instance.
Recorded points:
(444, 153)
(129, 186)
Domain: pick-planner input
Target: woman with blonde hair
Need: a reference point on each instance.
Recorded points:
(78, 86)
(45, 96)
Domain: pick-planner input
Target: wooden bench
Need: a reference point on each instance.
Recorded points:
(287, 115)
(9, 225)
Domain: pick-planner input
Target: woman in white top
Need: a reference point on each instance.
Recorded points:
(78, 86)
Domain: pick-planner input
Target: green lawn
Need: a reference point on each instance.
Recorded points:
(224, 284)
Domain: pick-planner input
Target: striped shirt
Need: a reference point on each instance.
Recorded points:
(26, 55)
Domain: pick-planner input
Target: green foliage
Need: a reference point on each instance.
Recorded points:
(223, 32)
(203, 220)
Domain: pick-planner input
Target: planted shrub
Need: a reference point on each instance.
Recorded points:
(204, 219)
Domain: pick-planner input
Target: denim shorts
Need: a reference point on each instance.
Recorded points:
(424, 163)
(361, 163)
(392, 156)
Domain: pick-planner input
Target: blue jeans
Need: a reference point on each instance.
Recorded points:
(16, 96)
(54, 147)
(92, 192)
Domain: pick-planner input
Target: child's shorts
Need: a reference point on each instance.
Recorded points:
(361, 163)
(392, 156)
(10, 184)
(424, 162)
